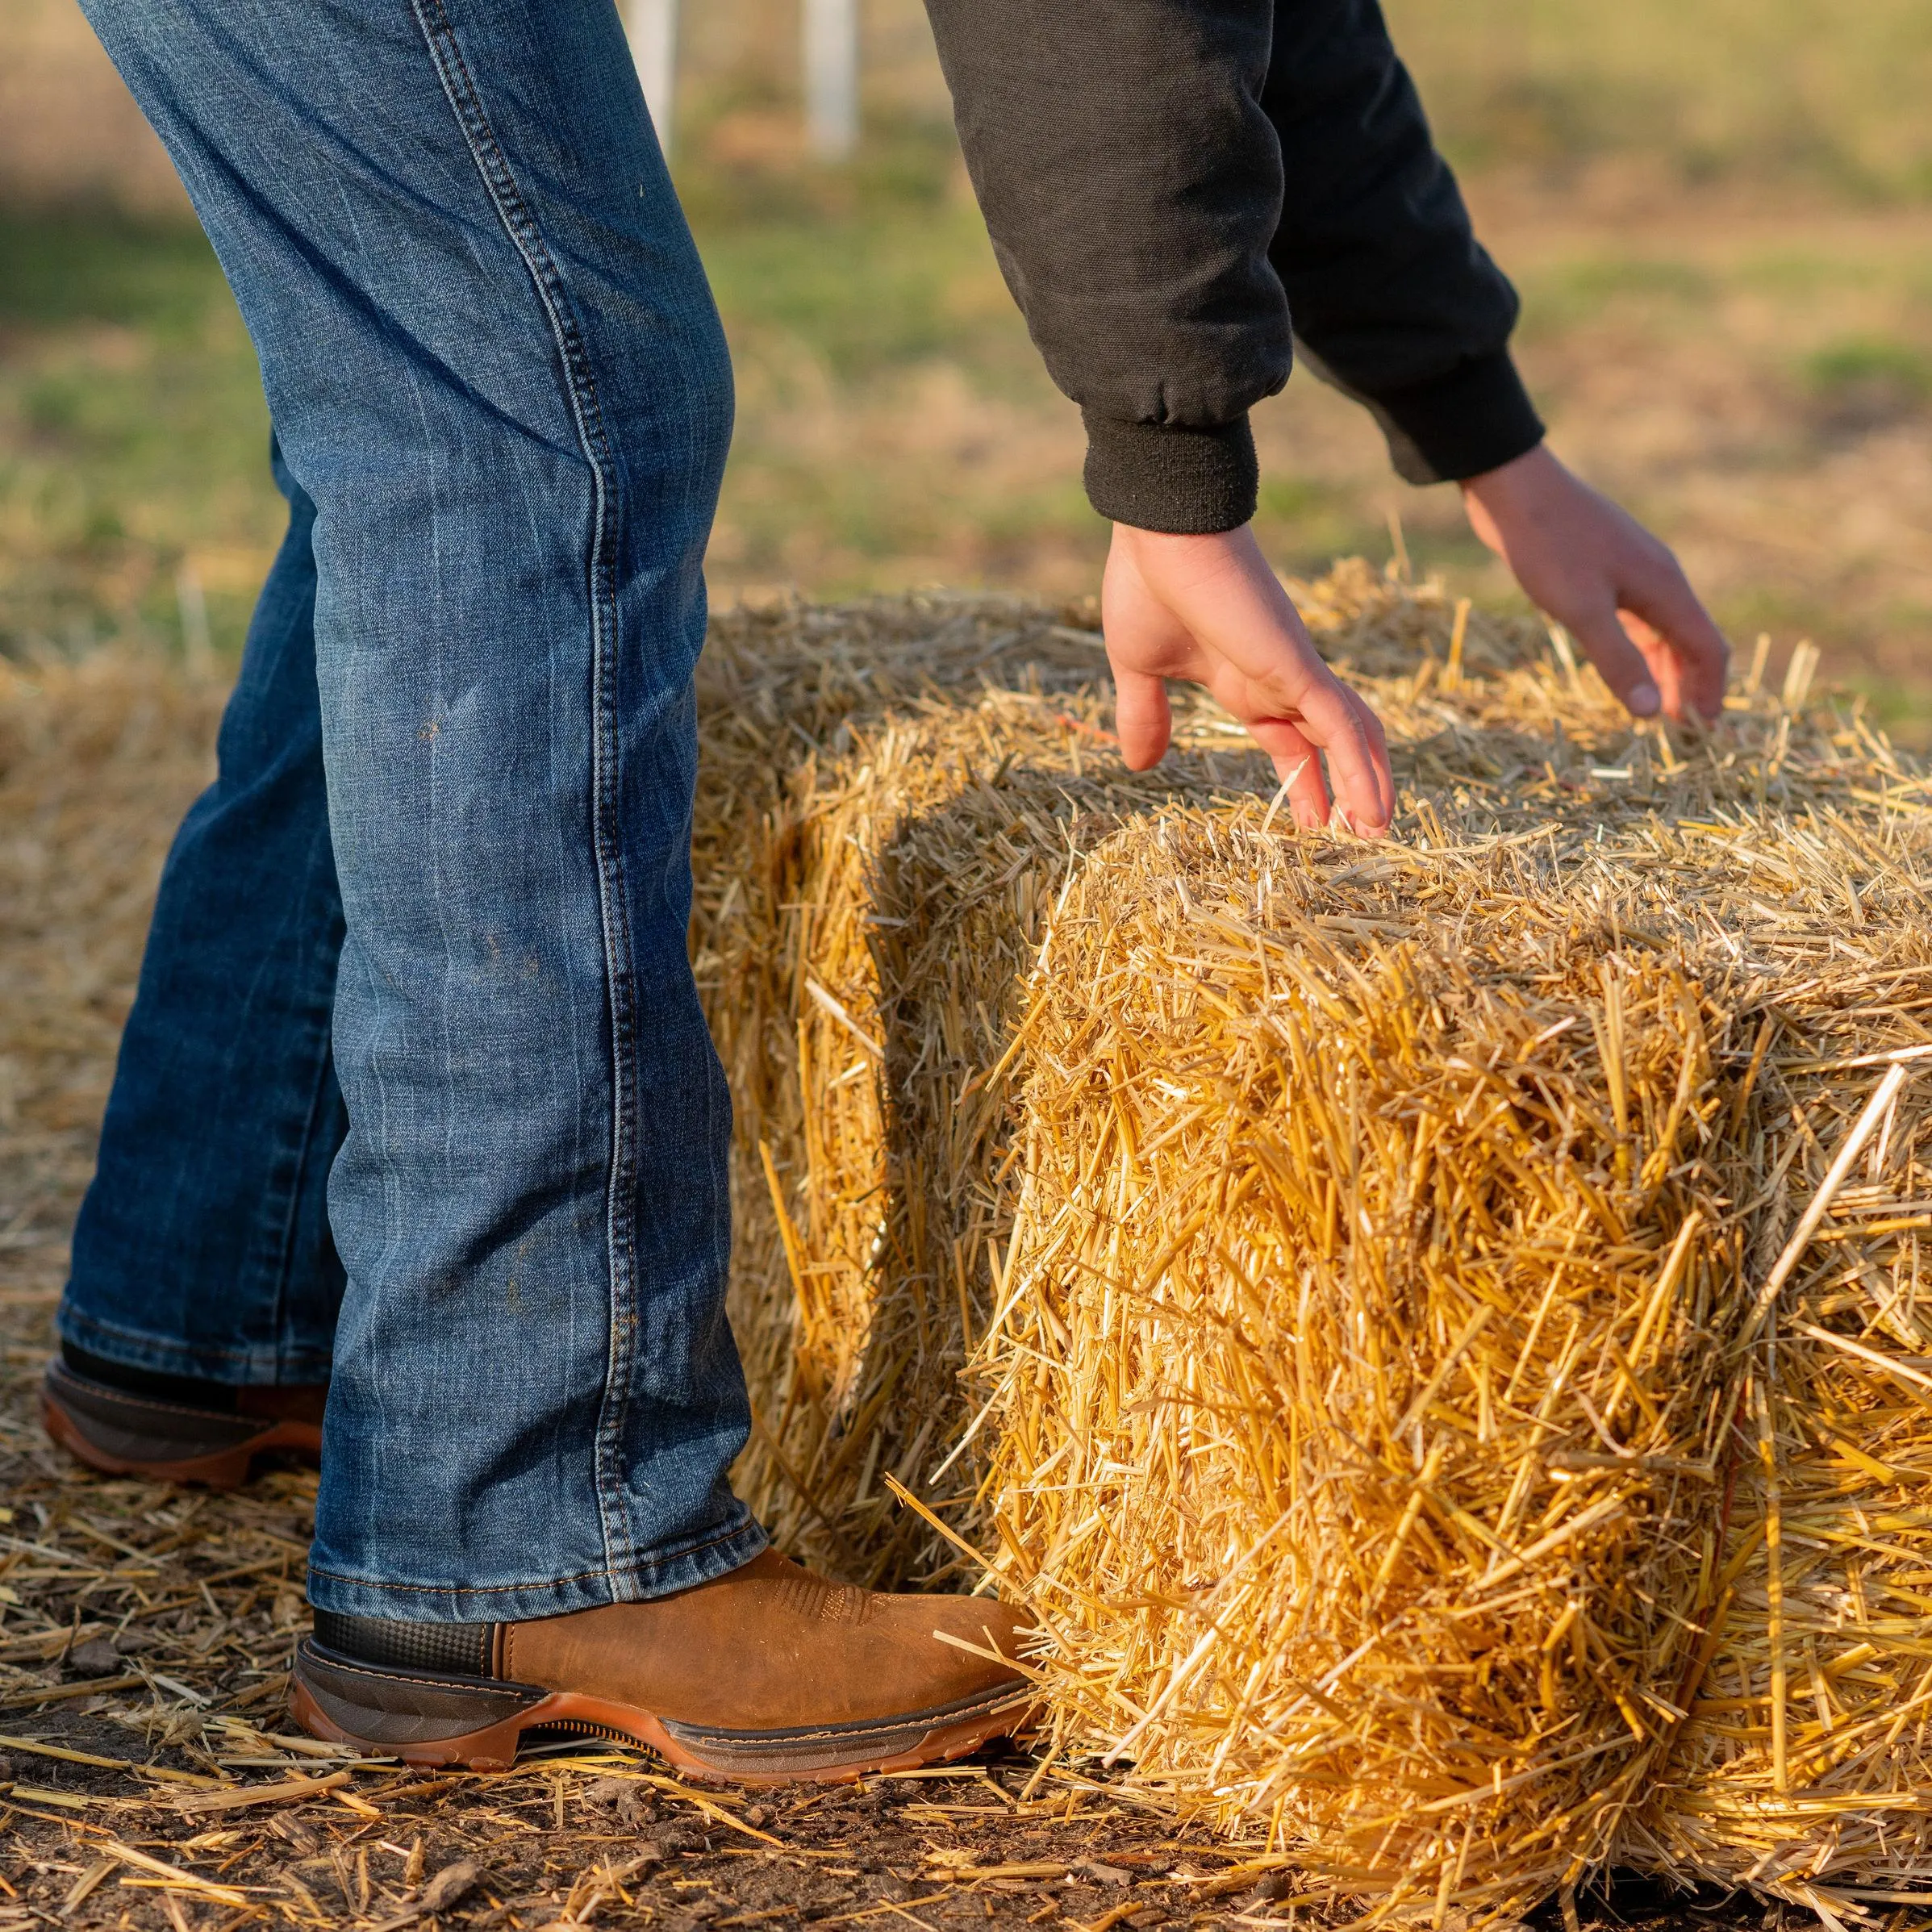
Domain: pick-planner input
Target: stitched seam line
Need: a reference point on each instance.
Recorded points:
(93, 1324)
(856, 1732)
(520, 226)
(551, 1583)
(285, 1264)
(385, 1674)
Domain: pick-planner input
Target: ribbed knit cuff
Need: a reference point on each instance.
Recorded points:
(1476, 418)
(1162, 476)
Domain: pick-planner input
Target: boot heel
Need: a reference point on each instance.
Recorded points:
(422, 1718)
(219, 1469)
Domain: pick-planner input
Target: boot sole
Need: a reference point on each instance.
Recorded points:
(425, 1718)
(219, 1469)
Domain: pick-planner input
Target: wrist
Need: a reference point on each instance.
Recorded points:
(1511, 482)
(1179, 558)
(1503, 504)
(1179, 543)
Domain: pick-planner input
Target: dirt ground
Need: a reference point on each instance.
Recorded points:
(148, 1778)
(143, 1737)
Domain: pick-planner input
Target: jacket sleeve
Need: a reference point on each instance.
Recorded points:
(1163, 179)
(1131, 181)
(1394, 300)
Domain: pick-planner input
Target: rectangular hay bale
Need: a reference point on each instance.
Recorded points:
(1434, 1329)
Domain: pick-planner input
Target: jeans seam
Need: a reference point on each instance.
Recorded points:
(284, 1200)
(519, 224)
(745, 1525)
(286, 1266)
(93, 1325)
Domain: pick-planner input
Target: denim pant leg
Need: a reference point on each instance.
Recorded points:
(495, 371)
(202, 1247)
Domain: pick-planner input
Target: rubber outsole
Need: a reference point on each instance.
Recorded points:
(323, 1700)
(221, 1469)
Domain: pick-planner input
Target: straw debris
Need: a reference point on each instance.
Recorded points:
(1433, 1329)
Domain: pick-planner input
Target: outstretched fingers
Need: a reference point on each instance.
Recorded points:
(1297, 764)
(1641, 687)
(1328, 717)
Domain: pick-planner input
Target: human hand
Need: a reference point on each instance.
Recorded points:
(1208, 609)
(1599, 573)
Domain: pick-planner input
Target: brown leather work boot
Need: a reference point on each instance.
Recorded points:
(169, 1427)
(768, 1675)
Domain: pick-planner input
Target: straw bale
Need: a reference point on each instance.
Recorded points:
(882, 816)
(1433, 1330)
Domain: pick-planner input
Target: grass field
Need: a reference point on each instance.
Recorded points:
(1719, 216)
(1794, 92)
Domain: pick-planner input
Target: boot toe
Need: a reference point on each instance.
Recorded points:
(984, 1639)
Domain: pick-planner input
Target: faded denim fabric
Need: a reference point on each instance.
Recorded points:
(421, 947)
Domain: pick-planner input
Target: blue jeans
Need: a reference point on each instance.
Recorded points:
(417, 995)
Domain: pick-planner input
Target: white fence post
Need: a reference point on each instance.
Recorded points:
(831, 51)
(652, 27)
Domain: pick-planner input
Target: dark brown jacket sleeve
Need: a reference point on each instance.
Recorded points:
(1129, 155)
(1391, 292)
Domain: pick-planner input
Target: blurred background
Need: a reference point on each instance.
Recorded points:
(1719, 213)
